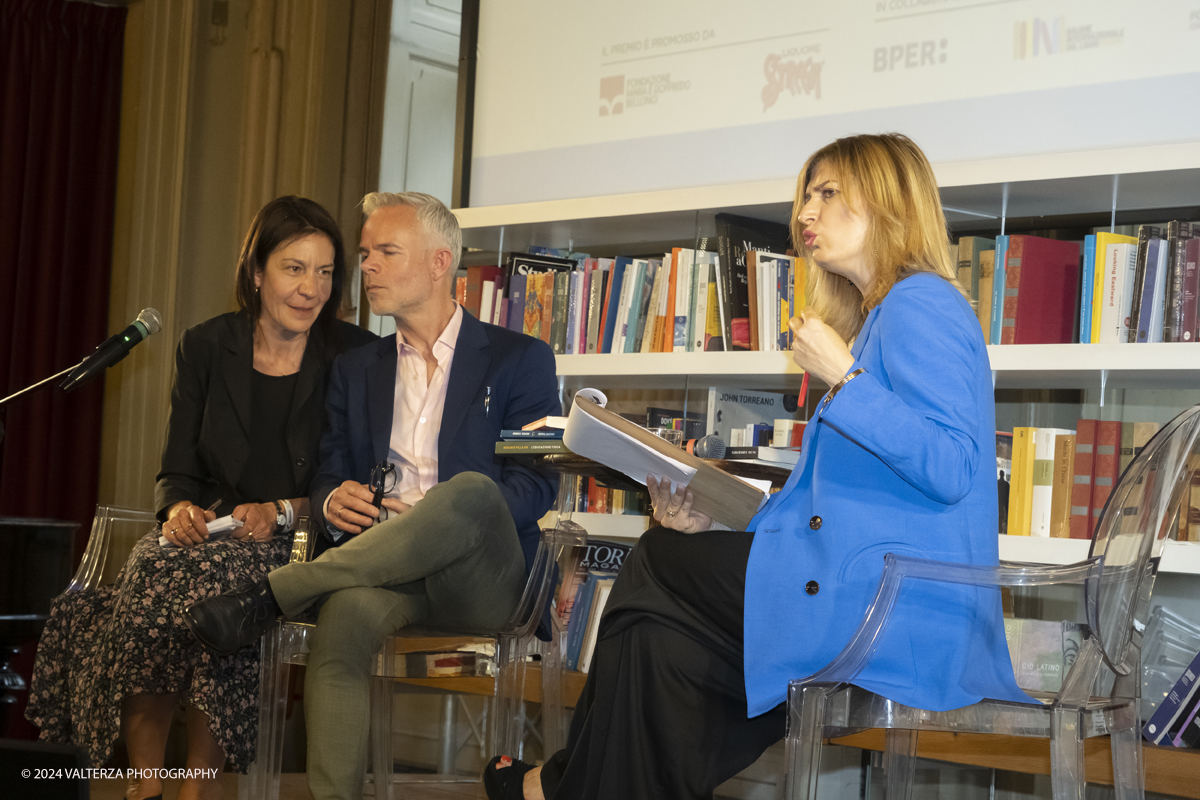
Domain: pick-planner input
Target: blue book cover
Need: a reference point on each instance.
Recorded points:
(516, 302)
(633, 337)
(1149, 291)
(577, 626)
(1168, 717)
(633, 277)
(998, 287)
(1087, 290)
(617, 276)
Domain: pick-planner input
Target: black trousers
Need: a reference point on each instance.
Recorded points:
(663, 711)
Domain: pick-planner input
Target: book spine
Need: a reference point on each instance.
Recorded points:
(998, 288)
(1021, 487)
(517, 433)
(1107, 466)
(473, 291)
(1146, 297)
(1160, 293)
(754, 288)
(1173, 286)
(1012, 289)
(1109, 302)
(516, 302)
(1139, 279)
(677, 316)
(595, 299)
(532, 315)
(1042, 492)
(722, 305)
(558, 318)
(653, 330)
(987, 271)
(725, 290)
(1064, 477)
(524, 447)
(1130, 267)
(699, 321)
(1191, 286)
(966, 249)
(1081, 488)
(612, 301)
(1087, 289)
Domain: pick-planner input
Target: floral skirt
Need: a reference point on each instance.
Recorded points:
(101, 646)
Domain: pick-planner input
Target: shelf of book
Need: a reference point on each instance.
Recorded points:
(1163, 176)
(1017, 366)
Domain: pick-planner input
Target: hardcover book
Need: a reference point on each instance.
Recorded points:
(735, 236)
(1041, 276)
(1081, 490)
(1146, 233)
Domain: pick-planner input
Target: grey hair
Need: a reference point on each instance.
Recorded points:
(435, 218)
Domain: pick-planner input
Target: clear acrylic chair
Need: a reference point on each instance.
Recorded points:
(115, 530)
(1117, 579)
(287, 644)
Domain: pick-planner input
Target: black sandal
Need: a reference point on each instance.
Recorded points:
(507, 783)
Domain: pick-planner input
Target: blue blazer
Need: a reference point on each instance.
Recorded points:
(519, 371)
(901, 461)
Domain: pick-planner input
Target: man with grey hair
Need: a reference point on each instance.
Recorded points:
(428, 525)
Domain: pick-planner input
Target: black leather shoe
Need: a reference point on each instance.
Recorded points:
(231, 621)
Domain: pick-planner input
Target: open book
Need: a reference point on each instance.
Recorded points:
(597, 433)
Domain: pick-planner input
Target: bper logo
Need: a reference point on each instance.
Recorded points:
(612, 95)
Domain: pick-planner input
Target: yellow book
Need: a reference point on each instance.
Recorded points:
(1064, 479)
(987, 271)
(800, 276)
(1020, 491)
(1103, 240)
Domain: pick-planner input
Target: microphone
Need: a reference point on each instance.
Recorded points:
(710, 446)
(116, 347)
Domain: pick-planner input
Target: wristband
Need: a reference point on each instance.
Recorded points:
(280, 517)
(291, 514)
(837, 387)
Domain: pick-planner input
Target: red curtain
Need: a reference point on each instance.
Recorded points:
(60, 102)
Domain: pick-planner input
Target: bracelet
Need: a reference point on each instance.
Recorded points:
(290, 513)
(837, 387)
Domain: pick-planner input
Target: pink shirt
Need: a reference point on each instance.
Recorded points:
(417, 412)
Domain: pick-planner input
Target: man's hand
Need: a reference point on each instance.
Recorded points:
(350, 508)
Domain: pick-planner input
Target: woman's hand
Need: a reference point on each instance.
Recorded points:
(818, 349)
(258, 522)
(187, 524)
(674, 509)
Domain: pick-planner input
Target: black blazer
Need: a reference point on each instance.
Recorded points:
(208, 436)
(516, 372)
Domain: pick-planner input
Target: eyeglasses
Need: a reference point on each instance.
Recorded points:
(383, 480)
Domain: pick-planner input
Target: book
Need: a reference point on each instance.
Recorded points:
(597, 433)
(1081, 489)
(969, 260)
(1087, 289)
(612, 298)
(1064, 479)
(455, 664)
(1148, 273)
(602, 589)
(702, 290)
(1101, 288)
(551, 421)
(596, 289)
(1020, 496)
(1134, 436)
(516, 302)
(1106, 465)
(730, 409)
(684, 259)
(545, 433)
(1178, 235)
(735, 236)
(1166, 721)
(1040, 504)
(998, 289)
(715, 339)
(983, 309)
(1158, 306)
(546, 293)
(1145, 234)
(652, 330)
(532, 315)
(1042, 651)
(577, 625)
(1041, 276)
(692, 425)
(754, 299)
(527, 447)
(558, 318)
(576, 563)
(1191, 289)
(787, 456)
(1119, 260)
(645, 306)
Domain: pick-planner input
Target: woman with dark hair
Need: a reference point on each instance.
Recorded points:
(247, 413)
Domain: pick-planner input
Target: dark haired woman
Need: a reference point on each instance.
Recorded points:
(247, 412)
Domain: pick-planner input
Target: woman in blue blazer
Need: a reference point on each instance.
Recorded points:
(702, 632)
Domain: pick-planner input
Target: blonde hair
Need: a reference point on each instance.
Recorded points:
(437, 220)
(888, 178)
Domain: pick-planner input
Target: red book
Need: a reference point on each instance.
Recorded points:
(1107, 467)
(797, 435)
(1081, 489)
(460, 290)
(1041, 281)
(1191, 288)
(474, 281)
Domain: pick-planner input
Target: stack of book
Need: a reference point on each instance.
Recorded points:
(1061, 479)
(587, 575)
(687, 300)
(1109, 289)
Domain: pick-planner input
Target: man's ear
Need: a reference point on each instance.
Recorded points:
(442, 259)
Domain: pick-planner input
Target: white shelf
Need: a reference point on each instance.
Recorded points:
(1166, 176)
(1060, 366)
(1177, 557)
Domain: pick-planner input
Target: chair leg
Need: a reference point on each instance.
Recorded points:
(381, 737)
(449, 736)
(802, 759)
(1128, 770)
(900, 762)
(554, 721)
(507, 721)
(1066, 754)
(262, 780)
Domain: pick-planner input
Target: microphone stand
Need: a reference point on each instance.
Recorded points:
(39, 384)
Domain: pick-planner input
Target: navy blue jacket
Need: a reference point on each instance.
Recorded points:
(520, 373)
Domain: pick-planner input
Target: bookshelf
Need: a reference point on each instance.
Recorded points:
(1130, 185)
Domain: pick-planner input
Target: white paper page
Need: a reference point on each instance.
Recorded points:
(589, 437)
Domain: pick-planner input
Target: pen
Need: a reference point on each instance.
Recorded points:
(487, 400)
